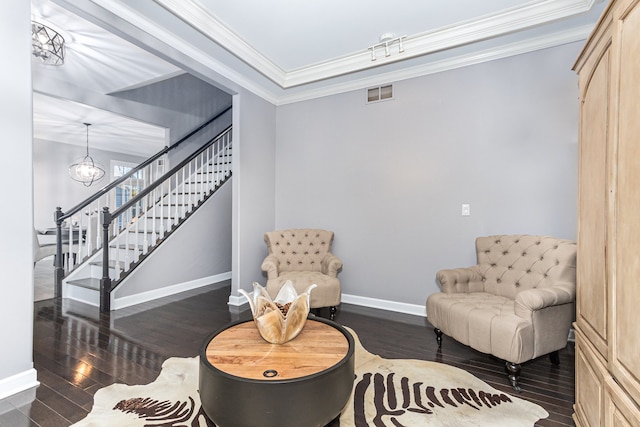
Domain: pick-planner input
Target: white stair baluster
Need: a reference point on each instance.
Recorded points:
(127, 260)
(161, 208)
(98, 225)
(80, 242)
(154, 236)
(208, 172)
(136, 253)
(189, 189)
(183, 193)
(71, 246)
(90, 237)
(117, 252)
(86, 241)
(145, 246)
(176, 218)
(201, 183)
(220, 162)
(214, 160)
(169, 219)
(229, 154)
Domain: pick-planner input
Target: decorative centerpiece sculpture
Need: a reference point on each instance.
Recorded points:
(281, 319)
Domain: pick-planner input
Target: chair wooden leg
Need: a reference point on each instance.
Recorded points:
(554, 356)
(438, 336)
(513, 372)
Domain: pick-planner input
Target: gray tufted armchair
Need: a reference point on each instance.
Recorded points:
(517, 303)
(304, 257)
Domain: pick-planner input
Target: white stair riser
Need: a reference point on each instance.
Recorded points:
(122, 254)
(181, 198)
(78, 293)
(166, 210)
(148, 225)
(96, 271)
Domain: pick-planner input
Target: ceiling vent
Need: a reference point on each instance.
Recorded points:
(380, 93)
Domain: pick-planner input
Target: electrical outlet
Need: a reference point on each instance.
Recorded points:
(466, 209)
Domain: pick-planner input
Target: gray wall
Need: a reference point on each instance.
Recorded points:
(52, 185)
(16, 184)
(186, 103)
(254, 136)
(389, 178)
(200, 248)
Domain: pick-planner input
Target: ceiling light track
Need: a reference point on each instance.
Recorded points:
(386, 40)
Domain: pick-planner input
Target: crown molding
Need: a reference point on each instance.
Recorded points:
(556, 39)
(133, 17)
(202, 20)
(454, 34)
(489, 26)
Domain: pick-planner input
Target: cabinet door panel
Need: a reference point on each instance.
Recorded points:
(590, 373)
(591, 272)
(625, 334)
(619, 410)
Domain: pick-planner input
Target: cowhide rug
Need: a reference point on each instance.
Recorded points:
(386, 393)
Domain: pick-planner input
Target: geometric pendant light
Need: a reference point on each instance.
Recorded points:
(86, 170)
(47, 46)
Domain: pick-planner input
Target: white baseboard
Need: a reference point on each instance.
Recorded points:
(400, 307)
(130, 300)
(237, 301)
(19, 382)
(414, 309)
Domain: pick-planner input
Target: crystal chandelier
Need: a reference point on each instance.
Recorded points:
(47, 46)
(86, 170)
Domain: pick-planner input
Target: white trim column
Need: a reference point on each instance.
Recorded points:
(16, 185)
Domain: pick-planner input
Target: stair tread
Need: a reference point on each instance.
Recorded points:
(87, 282)
(132, 246)
(112, 264)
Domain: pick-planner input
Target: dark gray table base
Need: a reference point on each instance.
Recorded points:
(311, 401)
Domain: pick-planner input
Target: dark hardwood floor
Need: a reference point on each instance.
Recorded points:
(77, 352)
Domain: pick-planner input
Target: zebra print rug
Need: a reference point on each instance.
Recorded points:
(386, 393)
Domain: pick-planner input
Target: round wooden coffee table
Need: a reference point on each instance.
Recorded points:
(246, 381)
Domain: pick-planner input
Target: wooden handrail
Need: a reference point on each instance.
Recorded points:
(163, 178)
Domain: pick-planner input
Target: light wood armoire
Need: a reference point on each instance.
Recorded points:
(607, 326)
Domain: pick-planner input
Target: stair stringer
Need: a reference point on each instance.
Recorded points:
(188, 258)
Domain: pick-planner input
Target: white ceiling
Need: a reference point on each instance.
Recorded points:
(300, 34)
(289, 50)
(296, 43)
(96, 63)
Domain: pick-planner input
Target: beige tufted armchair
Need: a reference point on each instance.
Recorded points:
(517, 303)
(304, 257)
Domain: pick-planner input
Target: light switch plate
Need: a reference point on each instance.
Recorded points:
(466, 209)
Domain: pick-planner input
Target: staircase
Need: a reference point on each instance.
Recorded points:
(102, 240)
